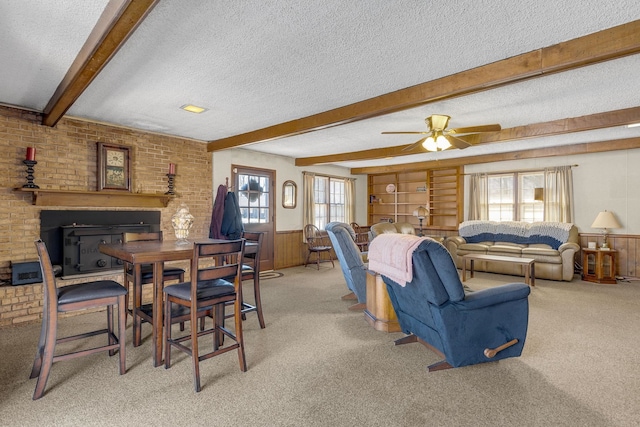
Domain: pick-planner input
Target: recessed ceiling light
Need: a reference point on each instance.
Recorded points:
(193, 108)
(633, 125)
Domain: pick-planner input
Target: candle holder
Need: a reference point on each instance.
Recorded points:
(30, 164)
(170, 177)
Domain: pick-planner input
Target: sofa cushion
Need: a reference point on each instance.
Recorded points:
(507, 250)
(475, 247)
(547, 255)
(514, 245)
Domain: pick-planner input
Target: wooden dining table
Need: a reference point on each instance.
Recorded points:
(157, 253)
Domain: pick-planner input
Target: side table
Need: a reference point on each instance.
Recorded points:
(599, 265)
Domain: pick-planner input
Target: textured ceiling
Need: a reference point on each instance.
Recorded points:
(256, 64)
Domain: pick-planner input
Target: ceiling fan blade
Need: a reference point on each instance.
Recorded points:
(405, 133)
(415, 145)
(462, 142)
(476, 129)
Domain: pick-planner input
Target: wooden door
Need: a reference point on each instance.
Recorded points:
(255, 189)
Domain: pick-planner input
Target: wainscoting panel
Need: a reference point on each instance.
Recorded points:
(627, 245)
(289, 249)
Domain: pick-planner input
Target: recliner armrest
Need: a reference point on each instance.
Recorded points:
(492, 296)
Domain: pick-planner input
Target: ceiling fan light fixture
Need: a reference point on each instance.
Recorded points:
(442, 142)
(429, 144)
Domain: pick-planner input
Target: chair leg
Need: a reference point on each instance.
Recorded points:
(306, 260)
(195, 355)
(110, 339)
(47, 359)
(167, 334)
(122, 326)
(126, 301)
(256, 294)
(137, 321)
(239, 336)
(37, 361)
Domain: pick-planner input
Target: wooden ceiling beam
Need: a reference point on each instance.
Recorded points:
(556, 127)
(118, 21)
(604, 45)
(564, 150)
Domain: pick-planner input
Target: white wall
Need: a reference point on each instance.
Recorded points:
(601, 181)
(286, 219)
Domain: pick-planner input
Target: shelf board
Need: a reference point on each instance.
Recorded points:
(46, 197)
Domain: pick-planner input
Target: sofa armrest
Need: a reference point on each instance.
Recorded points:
(568, 246)
(493, 296)
(454, 241)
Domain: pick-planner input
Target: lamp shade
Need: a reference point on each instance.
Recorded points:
(421, 212)
(605, 219)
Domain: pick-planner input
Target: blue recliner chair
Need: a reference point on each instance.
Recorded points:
(464, 328)
(353, 267)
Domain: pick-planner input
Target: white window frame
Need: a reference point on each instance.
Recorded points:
(328, 200)
(515, 200)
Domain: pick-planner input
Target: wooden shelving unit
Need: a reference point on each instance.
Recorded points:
(42, 197)
(439, 190)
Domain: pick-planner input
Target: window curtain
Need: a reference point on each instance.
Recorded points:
(558, 194)
(478, 197)
(308, 205)
(349, 200)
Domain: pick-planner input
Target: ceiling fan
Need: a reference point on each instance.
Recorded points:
(440, 138)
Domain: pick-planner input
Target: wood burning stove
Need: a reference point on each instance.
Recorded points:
(72, 237)
(80, 246)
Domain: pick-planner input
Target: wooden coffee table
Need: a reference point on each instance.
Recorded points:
(527, 263)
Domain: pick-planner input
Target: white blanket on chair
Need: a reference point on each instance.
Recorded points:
(391, 255)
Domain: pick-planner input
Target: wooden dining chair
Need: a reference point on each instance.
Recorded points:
(251, 271)
(141, 275)
(101, 293)
(362, 237)
(318, 244)
(212, 284)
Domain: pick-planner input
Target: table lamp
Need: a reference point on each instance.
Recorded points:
(605, 220)
(421, 213)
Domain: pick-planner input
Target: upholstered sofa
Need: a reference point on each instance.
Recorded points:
(551, 244)
(390, 227)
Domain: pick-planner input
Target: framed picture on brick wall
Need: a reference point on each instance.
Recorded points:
(114, 167)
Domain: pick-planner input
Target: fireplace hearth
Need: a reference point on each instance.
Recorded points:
(72, 237)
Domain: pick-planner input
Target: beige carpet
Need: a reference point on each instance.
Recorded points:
(318, 364)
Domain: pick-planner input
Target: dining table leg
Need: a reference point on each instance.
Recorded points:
(158, 268)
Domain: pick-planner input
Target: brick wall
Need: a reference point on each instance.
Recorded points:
(67, 159)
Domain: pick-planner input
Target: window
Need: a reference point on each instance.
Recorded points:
(329, 200)
(253, 199)
(512, 196)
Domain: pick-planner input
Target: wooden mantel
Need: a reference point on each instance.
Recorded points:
(42, 197)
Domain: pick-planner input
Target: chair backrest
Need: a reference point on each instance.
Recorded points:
(353, 268)
(314, 237)
(50, 308)
(205, 265)
(153, 236)
(252, 260)
(432, 264)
